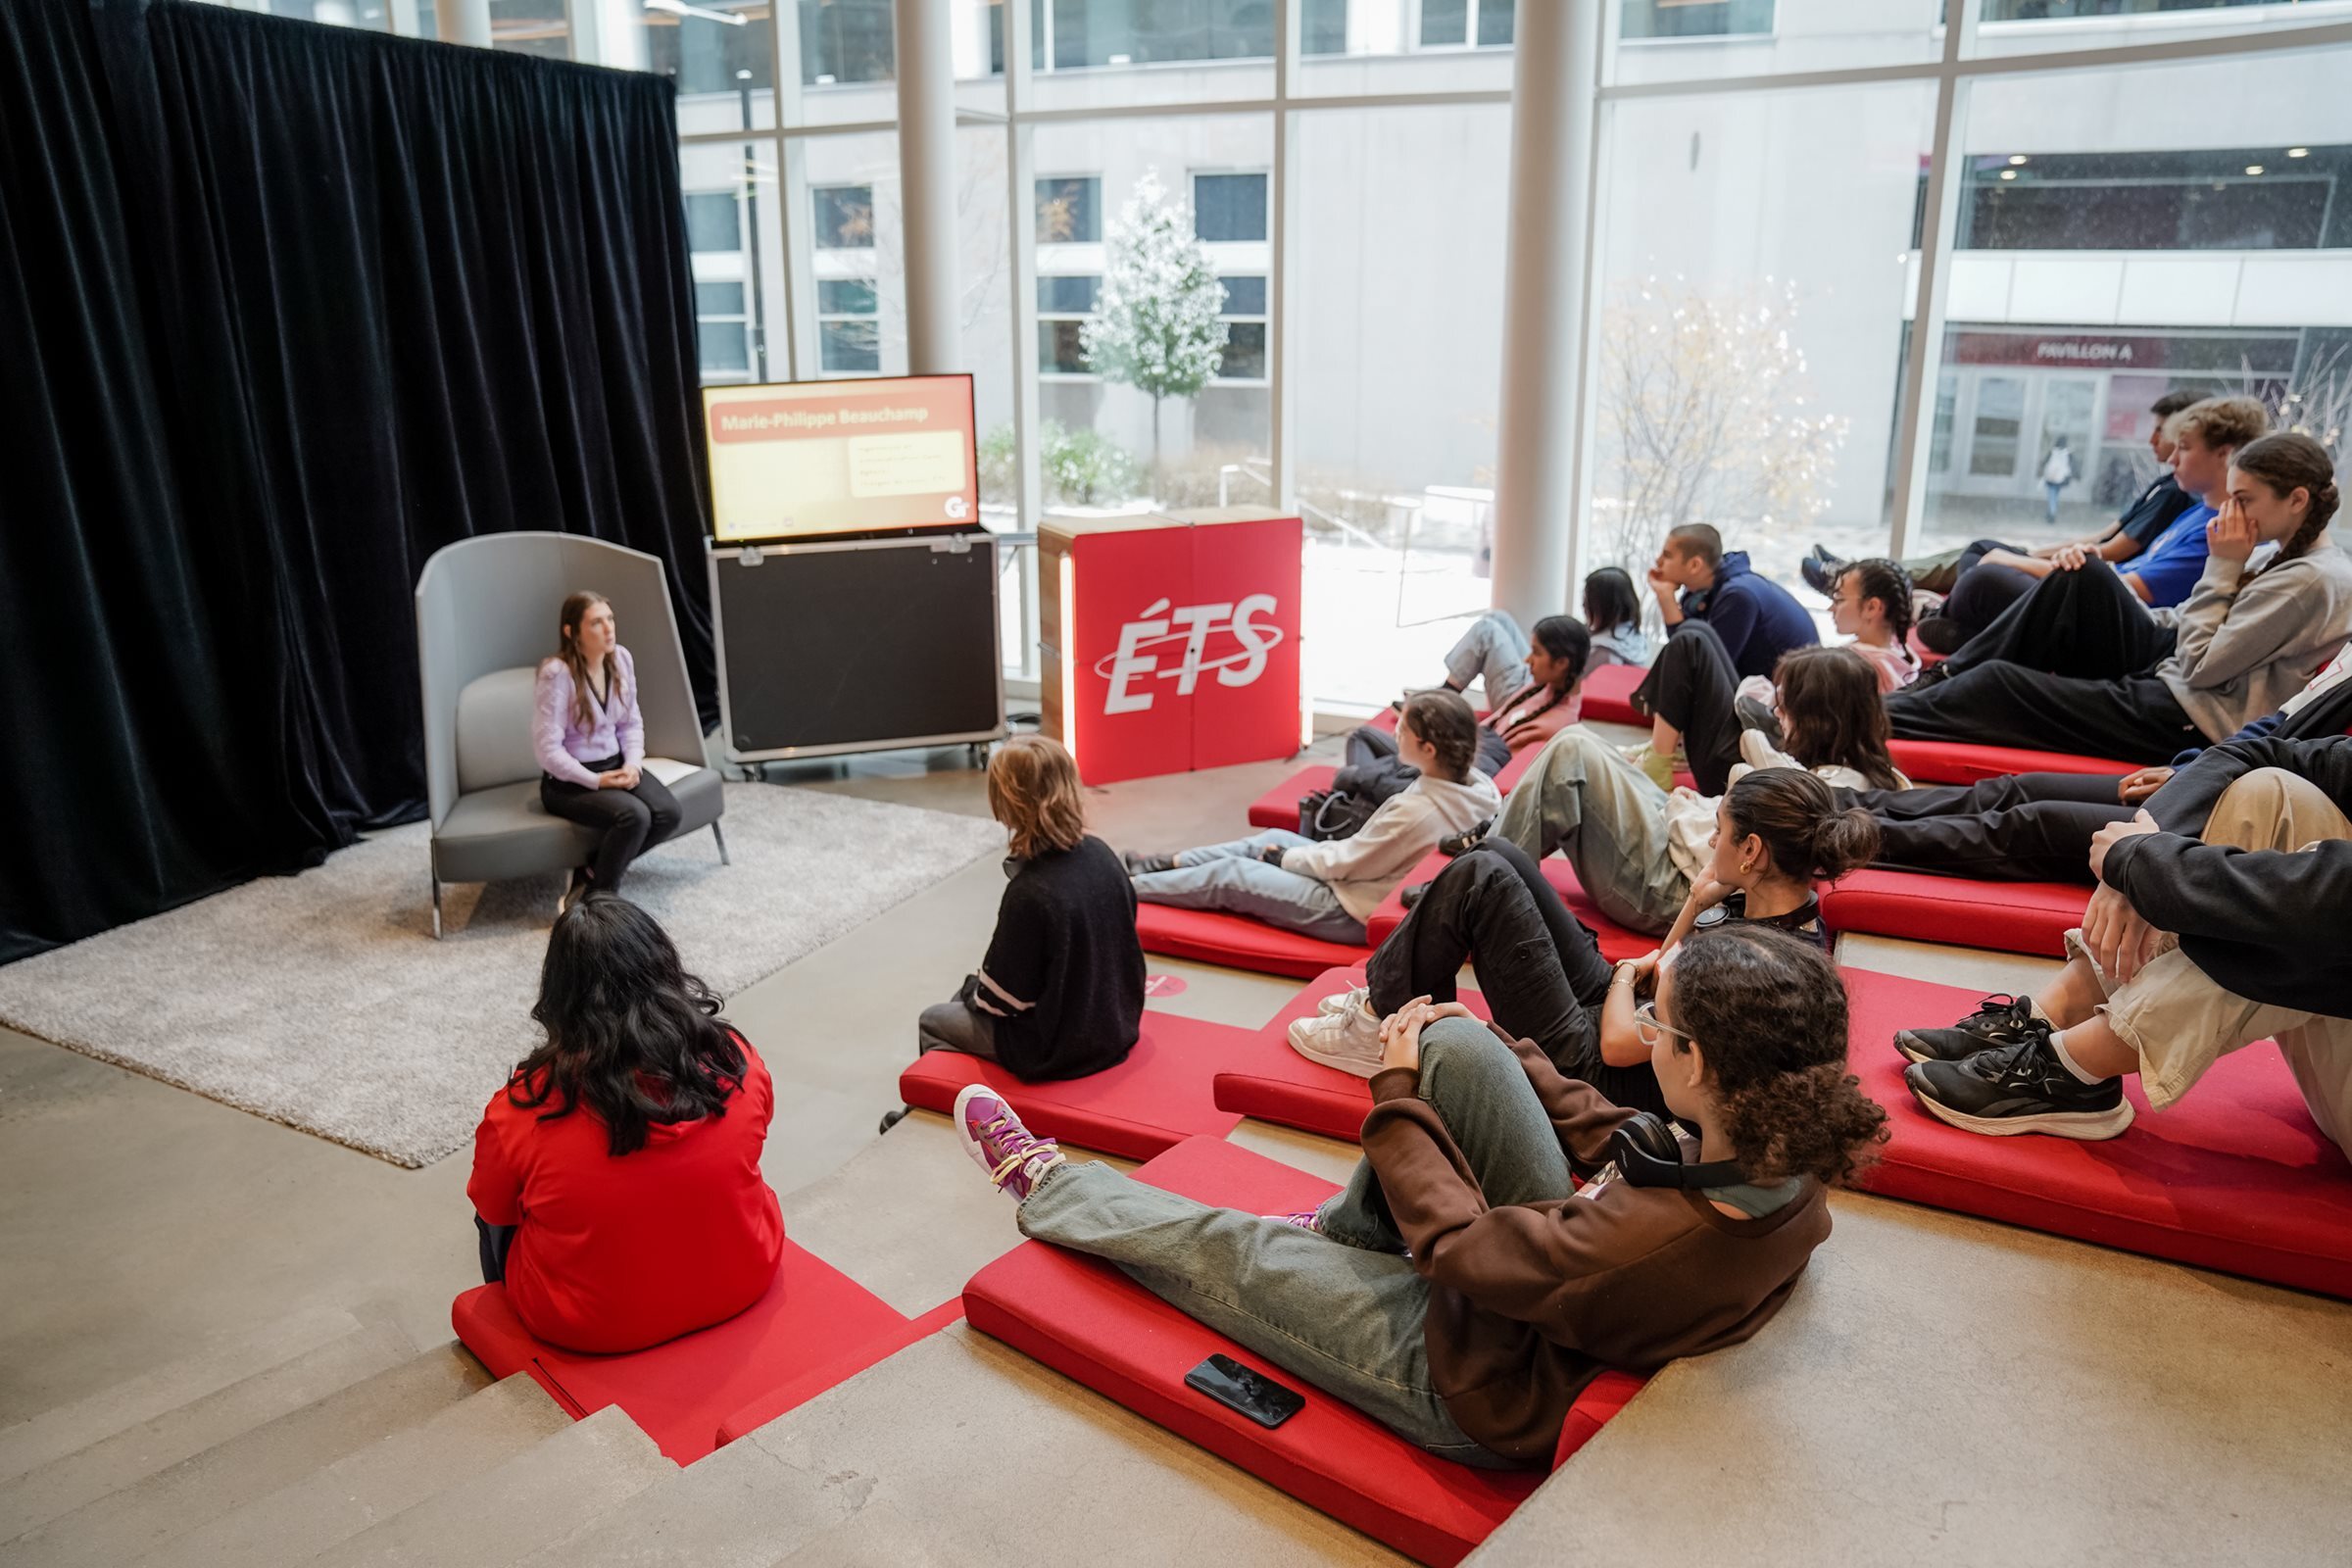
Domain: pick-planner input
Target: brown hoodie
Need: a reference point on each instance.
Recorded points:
(1530, 1302)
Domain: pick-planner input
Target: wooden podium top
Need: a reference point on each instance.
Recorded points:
(1067, 528)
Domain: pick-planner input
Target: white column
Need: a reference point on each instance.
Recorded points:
(926, 69)
(1537, 484)
(465, 22)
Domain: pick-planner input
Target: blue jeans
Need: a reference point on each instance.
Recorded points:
(1494, 652)
(1231, 878)
(1345, 1311)
(2051, 490)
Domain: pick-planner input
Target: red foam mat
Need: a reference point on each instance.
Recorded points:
(2234, 1176)
(1616, 942)
(1956, 763)
(814, 1322)
(1088, 1321)
(1274, 1083)
(1155, 1099)
(1609, 693)
(2007, 916)
(1212, 937)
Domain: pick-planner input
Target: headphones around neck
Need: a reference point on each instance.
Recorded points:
(1648, 1154)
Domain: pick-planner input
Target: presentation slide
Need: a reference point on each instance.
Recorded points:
(804, 458)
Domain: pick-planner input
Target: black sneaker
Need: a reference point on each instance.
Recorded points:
(2019, 1089)
(1999, 1021)
(1145, 864)
(1466, 840)
(1821, 573)
(1410, 893)
(1941, 634)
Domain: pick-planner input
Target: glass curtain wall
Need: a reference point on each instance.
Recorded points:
(2141, 195)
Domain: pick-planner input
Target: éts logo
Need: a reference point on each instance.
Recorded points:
(1192, 625)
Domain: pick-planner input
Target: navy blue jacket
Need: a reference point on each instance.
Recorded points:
(1756, 617)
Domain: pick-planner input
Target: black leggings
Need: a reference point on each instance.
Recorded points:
(1540, 969)
(632, 820)
(1694, 687)
(2026, 827)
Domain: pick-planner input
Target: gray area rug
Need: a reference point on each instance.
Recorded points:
(322, 1000)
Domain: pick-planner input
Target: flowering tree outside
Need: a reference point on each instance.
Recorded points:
(1158, 331)
(1708, 415)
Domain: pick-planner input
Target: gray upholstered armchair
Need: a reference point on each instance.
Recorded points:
(485, 617)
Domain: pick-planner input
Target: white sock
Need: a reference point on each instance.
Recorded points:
(2066, 1059)
(2034, 1011)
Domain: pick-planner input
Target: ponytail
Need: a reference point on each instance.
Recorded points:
(1808, 835)
(2284, 463)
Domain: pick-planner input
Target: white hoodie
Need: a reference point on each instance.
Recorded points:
(1363, 868)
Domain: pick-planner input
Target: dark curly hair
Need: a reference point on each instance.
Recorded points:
(1808, 835)
(1831, 714)
(1446, 724)
(631, 1033)
(1769, 1012)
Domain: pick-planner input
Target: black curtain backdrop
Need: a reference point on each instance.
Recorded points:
(283, 308)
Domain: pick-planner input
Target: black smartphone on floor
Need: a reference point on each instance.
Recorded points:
(1253, 1393)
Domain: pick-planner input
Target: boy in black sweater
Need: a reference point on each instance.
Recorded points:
(2216, 924)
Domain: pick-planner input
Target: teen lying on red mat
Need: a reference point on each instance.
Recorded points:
(1326, 890)
(1541, 972)
(2080, 665)
(2218, 922)
(1530, 702)
(628, 1141)
(1060, 991)
(1639, 849)
(1463, 1287)
(2038, 827)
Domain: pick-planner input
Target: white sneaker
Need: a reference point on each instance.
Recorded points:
(1348, 1041)
(1342, 1000)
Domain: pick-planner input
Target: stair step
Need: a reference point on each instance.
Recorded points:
(162, 1507)
(580, 1474)
(30, 1444)
(127, 1456)
(331, 1505)
(737, 1508)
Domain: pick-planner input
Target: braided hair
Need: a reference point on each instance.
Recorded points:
(2286, 463)
(1889, 584)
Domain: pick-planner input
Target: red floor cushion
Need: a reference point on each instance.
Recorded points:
(812, 1320)
(1085, 1320)
(1156, 1099)
(1957, 763)
(1608, 695)
(1240, 942)
(801, 1389)
(2234, 1176)
(1616, 942)
(1279, 806)
(1274, 1083)
(2007, 916)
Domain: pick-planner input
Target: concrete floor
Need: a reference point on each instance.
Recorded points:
(1940, 1390)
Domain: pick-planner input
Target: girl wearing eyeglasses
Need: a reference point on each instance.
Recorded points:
(1464, 1287)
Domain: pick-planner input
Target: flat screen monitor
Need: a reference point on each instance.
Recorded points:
(795, 460)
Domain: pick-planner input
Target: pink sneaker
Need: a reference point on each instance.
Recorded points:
(1014, 1159)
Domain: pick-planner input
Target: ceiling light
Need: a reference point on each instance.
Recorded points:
(2008, 174)
(679, 8)
(2298, 152)
(2253, 168)
(2017, 158)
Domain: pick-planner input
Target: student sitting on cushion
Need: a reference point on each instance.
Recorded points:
(2217, 925)
(1555, 661)
(2078, 665)
(1539, 966)
(1463, 1288)
(1637, 849)
(617, 1178)
(1061, 993)
(1327, 890)
(1614, 615)
(1756, 619)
